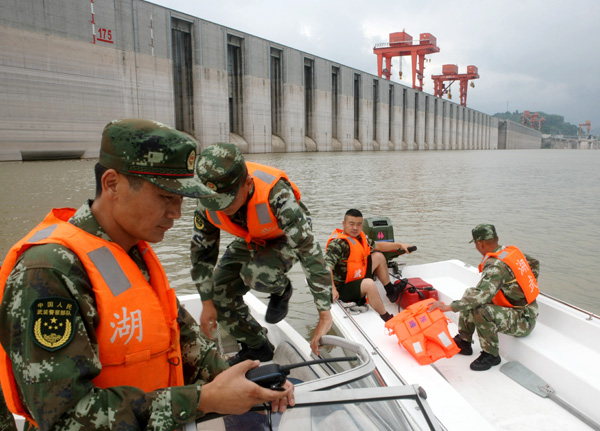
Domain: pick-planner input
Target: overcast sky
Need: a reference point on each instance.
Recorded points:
(532, 55)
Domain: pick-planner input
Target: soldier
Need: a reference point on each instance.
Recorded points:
(503, 301)
(95, 336)
(261, 207)
(349, 256)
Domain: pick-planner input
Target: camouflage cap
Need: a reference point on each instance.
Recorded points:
(483, 231)
(221, 167)
(153, 151)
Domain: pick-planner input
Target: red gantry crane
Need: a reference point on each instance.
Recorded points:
(450, 73)
(533, 119)
(401, 44)
(587, 125)
(536, 119)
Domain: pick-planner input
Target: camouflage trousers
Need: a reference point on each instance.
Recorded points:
(7, 422)
(489, 320)
(263, 269)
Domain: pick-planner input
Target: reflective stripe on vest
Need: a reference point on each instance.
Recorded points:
(261, 222)
(264, 176)
(356, 264)
(262, 212)
(423, 334)
(131, 332)
(214, 218)
(42, 234)
(110, 270)
(517, 262)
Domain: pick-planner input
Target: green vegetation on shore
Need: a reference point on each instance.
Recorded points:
(554, 124)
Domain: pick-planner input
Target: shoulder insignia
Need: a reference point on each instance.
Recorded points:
(53, 322)
(198, 222)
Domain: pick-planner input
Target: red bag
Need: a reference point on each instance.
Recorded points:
(415, 290)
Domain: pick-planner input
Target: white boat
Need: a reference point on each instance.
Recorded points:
(386, 389)
(561, 357)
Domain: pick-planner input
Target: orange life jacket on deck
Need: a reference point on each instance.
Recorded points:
(138, 334)
(424, 334)
(359, 251)
(261, 222)
(516, 261)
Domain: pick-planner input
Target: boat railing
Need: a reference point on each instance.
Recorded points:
(365, 367)
(590, 315)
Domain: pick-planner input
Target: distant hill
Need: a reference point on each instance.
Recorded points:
(554, 124)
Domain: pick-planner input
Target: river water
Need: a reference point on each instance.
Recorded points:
(547, 202)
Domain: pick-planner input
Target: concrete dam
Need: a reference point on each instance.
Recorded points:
(68, 67)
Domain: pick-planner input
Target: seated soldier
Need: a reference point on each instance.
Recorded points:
(502, 302)
(349, 255)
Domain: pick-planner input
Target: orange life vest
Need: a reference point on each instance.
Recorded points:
(261, 223)
(359, 251)
(424, 334)
(516, 261)
(138, 334)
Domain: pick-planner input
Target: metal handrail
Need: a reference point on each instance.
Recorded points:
(574, 307)
(366, 367)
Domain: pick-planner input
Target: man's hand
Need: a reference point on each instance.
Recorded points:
(404, 247)
(232, 393)
(335, 294)
(208, 318)
(323, 327)
(391, 246)
(280, 405)
(439, 305)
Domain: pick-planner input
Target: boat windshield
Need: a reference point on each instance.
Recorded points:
(340, 396)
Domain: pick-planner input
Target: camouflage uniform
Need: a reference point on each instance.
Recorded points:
(478, 313)
(337, 252)
(261, 267)
(7, 421)
(56, 386)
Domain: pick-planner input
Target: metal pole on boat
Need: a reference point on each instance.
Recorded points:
(531, 381)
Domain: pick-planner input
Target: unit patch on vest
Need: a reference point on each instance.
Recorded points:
(53, 322)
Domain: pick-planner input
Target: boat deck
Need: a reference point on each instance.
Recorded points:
(466, 399)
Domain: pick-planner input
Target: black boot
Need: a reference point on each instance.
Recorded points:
(278, 305)
(387, 316)
(393, 290)
(263, 353)
(485, 362)
(465, 347)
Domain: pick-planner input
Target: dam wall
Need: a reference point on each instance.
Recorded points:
(68, 67)
(513, 136)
